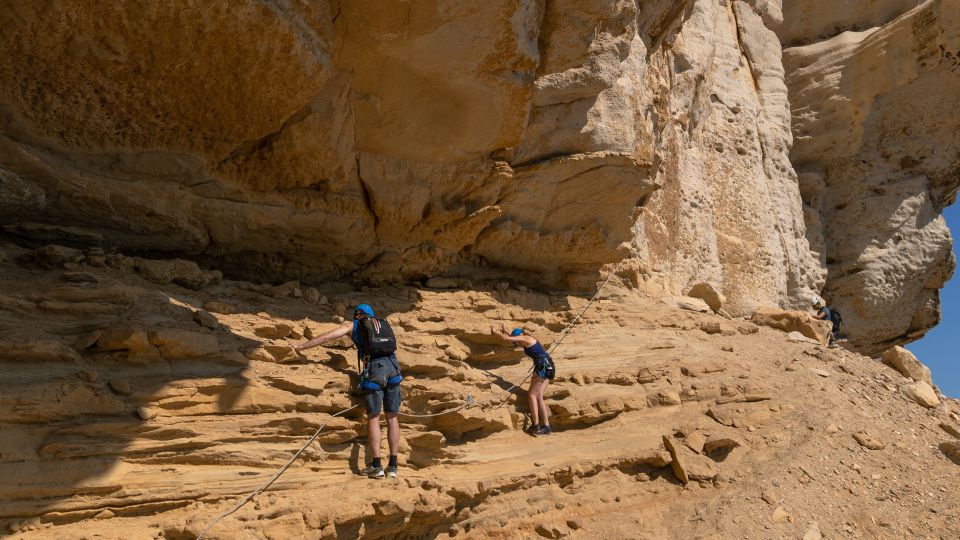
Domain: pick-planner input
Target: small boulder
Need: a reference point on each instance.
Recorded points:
(867, 441)
(123, 338)
(907, 364)
(820, 372)
(951, 429)
(709, 294)
(205, 319)
(780, 515)
(551, 530)
(813, 532)
(273, 331)
(687, 303)
(146, 413)
(922, 393)
(794, 321)
(695, 441)
(311, 294)
(687, 465)
(951, 449)
(260, 354)
(119, 386)
(280, 353)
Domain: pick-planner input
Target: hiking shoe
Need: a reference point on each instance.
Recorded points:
(375, 472)
(533, 429)
(391, 472)
(545, 430)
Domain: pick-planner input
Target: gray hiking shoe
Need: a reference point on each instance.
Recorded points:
(391, 472)
(371, 471)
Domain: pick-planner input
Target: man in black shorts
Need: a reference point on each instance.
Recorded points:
(380, 383)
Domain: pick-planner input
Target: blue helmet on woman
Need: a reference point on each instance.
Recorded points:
(365, 309)
(516, 332)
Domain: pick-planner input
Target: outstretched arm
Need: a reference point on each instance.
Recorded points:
(345, 328)
(502, 333)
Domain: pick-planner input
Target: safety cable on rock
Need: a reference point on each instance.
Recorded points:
(467, 403)
(280, 471)
(563, 335)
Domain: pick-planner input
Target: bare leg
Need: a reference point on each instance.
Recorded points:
(393, 433)
(532, 399)
(373, 434)
(544, 412)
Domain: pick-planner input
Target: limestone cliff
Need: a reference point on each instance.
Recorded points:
(877, 150)
(168, 168)
(392, 141)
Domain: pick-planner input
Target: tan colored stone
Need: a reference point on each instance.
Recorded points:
(274, 331)
(907, 364)
(205, 319)
(793, 321)
(951, 449)
(120, 386)
(868, 441)
(121, 338)
(951, 429)
(687, 465)
(709, 294)
(922, 393)
(876, 160)
(311, 294)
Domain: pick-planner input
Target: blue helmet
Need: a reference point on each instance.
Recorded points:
(516, 332)
(364, 308)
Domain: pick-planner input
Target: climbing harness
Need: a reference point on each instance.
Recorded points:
(468, 403)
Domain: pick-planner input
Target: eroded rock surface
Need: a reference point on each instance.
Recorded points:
(876, 151)
(676, 421)
(391, 142)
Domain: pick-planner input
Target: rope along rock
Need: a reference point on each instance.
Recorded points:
(468, 403)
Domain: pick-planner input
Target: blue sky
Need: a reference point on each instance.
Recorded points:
(938, 349)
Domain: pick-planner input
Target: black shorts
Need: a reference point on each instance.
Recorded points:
(388, 398)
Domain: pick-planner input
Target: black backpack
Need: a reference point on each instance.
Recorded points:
(837, 320)
(376, 338)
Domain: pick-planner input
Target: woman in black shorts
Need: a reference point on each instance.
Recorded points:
(543, 373)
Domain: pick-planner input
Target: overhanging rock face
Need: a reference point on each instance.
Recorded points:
(539, 141)
(369, 138)
(878, 155)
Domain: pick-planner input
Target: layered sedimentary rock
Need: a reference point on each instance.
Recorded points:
(397, 140)
(140, 402)
(541, 141)
(877, 151)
